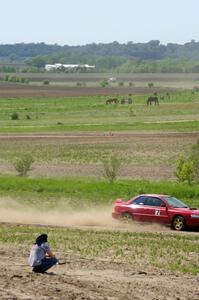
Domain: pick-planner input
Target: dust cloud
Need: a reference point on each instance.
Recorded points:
(98, 218)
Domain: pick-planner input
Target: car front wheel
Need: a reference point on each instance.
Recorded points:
(126, 218)
(178, 223)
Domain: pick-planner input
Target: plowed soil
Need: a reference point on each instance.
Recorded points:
(153, 146)
(90, 279)
(19, 90)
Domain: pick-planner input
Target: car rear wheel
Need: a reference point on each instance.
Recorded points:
(178, 223)
(126, 218)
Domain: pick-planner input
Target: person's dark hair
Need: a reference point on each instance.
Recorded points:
(41, 239)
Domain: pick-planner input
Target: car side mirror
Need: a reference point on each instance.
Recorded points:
(163, 205)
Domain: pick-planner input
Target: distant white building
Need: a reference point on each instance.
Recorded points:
(112, 79)
(67, 67)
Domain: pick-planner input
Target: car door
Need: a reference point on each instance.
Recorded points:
(155, 210)
(137, 208)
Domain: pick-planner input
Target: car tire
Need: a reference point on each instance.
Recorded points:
(178, 223)
(126, 218)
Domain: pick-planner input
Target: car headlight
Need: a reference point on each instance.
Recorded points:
(195, 216)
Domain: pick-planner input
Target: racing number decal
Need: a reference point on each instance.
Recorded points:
(157, 212)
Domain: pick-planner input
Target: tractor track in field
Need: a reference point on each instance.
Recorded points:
(113, 137)
(118, 226)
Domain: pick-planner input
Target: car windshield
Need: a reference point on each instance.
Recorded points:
(174, 202)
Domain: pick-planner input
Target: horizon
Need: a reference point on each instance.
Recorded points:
(97, 43)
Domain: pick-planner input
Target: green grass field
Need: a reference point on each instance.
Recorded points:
(179, 112)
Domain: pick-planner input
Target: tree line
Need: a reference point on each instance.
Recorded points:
(112, 57)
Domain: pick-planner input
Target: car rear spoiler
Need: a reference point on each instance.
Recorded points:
(118, 201)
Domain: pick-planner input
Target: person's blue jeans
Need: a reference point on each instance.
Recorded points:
(46, 264)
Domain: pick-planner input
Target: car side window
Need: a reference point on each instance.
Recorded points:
(139, 201)
(152, 201)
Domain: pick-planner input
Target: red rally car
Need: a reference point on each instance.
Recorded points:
(163, 209)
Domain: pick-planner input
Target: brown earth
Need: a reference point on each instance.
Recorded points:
(97, 77)
(63, 169)
(12, 90)
(152, 145)
(88, 279)
(163, 83)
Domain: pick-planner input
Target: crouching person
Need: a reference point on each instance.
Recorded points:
(41, 257)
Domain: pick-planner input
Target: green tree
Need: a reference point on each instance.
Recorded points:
(38, 61)
(13, 57)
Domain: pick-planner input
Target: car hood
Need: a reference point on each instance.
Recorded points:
(194, 211)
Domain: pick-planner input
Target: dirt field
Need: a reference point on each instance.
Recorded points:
(97, 77)
(93, 279)
(19, 90)
(90, 279)
(162, 82)
(147, 147)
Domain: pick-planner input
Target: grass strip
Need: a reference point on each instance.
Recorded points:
(172, 126)
(90, 191)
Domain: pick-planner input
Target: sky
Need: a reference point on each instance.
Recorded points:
(80, 22)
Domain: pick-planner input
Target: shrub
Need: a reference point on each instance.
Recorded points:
(46, 82)
(196, 88)
(13, 79)
(111, 167)
(6, 78)
(15, 116)
(120, 83)
(104, 83)
(150, 84)
(194, 155)
(23, 165)
(131, 111)
(185, 170)
(23, 80)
